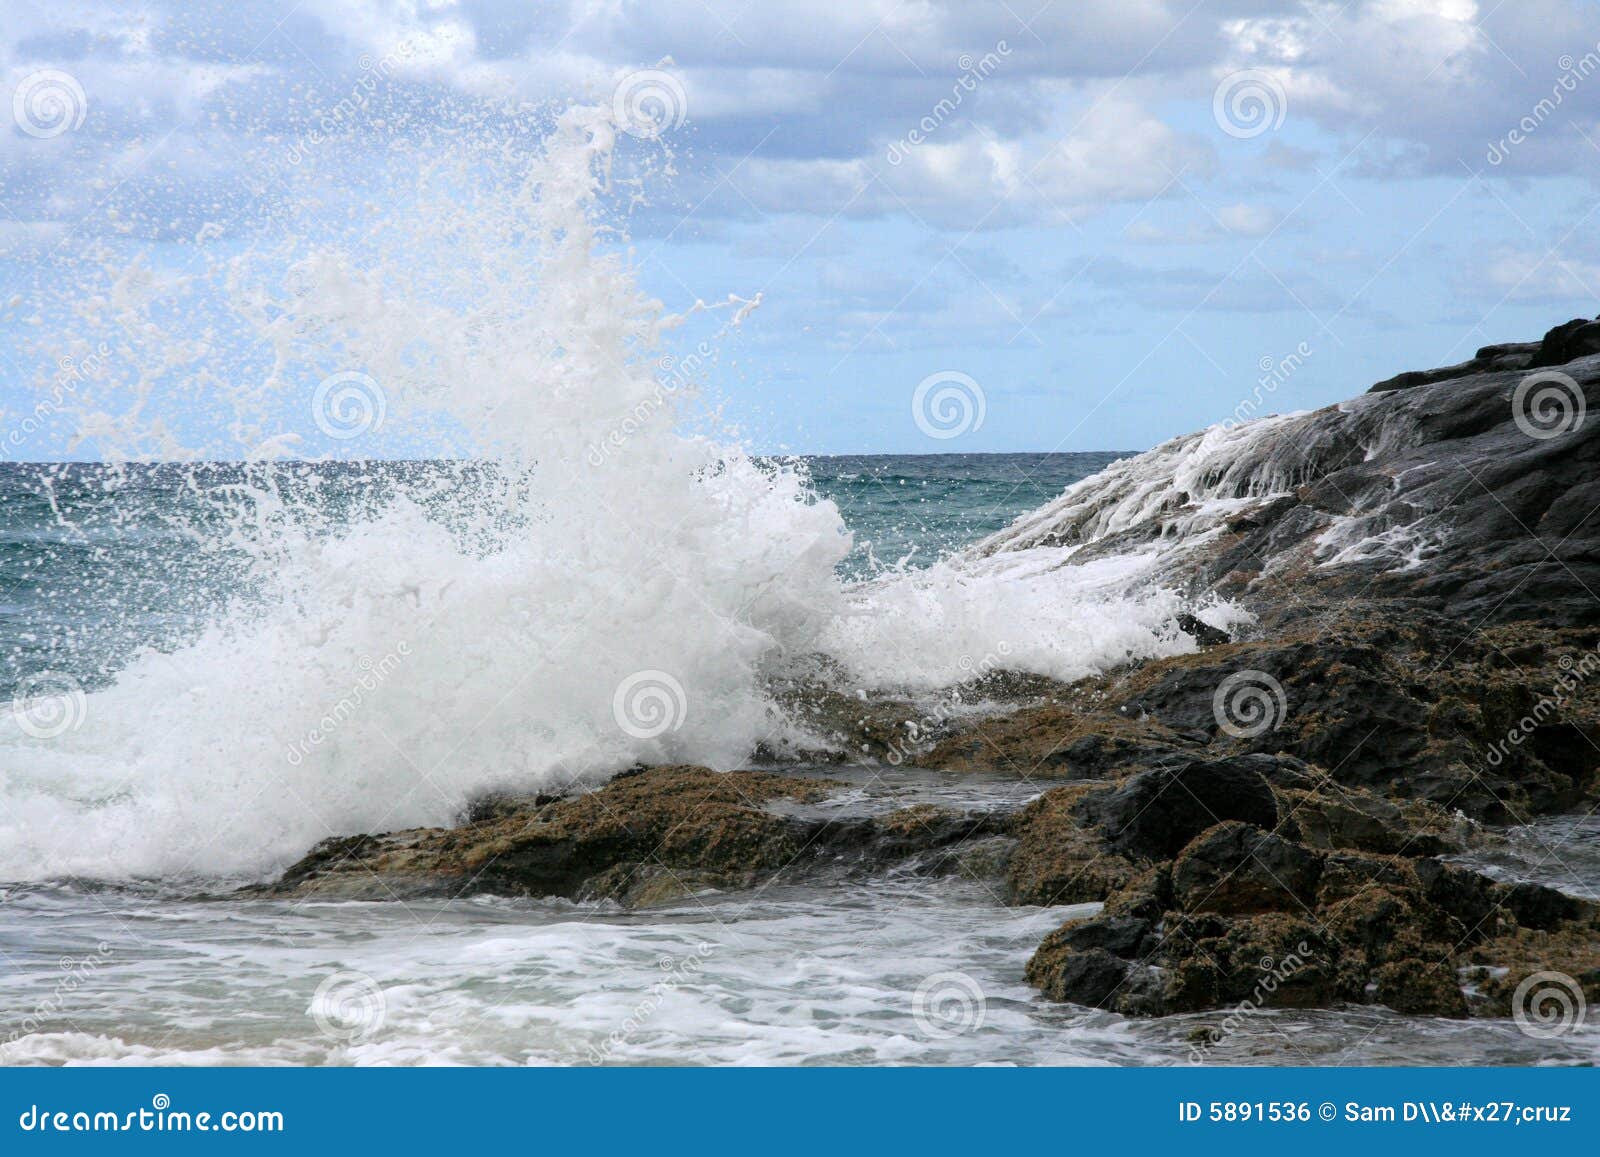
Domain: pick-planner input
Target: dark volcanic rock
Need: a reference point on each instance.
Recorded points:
(643, 838)
(1061, 860)
(1157, 812)
(1090, 976)
(1578, 338)
(1512, 356)
(1423, 562)
(1129, 937)
(1236, 868)
(1361, 821)
(1536, 906)
(1058, 742)
(1244, 916)
(1203, 633)
(1395, 704)
(1429, 492)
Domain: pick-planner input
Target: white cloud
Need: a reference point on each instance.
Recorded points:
(1115, 153)
(1432, 81)
(1540, 276)
(816, 92)
(1249, 220)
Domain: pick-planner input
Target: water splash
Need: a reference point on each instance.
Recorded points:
(380, 659)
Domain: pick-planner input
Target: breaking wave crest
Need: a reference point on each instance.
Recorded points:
(606, 580)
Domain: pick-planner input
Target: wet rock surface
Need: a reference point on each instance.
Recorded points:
(1464, 491)
(1502, 724)
(1293, 858)
(1247, 916)
(1268, 820)
(646, 837)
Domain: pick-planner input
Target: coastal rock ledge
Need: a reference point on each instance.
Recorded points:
(1285, 816)
(1271, 821)
(647, 837)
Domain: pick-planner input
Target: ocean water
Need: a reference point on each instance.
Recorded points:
(912, 509)
(97, 563)
(901, 969)
(214, 667)
(107, 568)
(104, 565)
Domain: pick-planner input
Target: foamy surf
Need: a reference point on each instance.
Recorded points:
(620, 588)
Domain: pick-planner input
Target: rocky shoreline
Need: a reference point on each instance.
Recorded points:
(1269, 821)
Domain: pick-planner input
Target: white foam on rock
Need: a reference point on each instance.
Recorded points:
(622, 590)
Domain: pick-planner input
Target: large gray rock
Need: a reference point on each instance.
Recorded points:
(1445, 489)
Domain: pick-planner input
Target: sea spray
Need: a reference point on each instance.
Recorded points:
(490, 315)
(521, 611)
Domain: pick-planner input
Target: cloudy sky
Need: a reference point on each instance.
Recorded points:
(1109, 215)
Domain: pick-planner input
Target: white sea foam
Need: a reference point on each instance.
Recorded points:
(780, 976)
(385, 672)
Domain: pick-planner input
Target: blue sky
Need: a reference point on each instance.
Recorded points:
(1103, 245)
